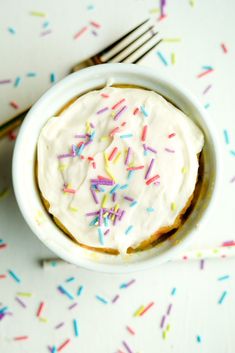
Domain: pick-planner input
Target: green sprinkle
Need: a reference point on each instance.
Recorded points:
(142, 108)
(17, 81)
(199, 339)
(80, 291)
(207, 105)
(31, 74)
(128, 229)
(52, 77)
(232, 153)
(173, 291)
(173, 206)
(126, 136)
(70, 279)
(124, 187)
(11, 30)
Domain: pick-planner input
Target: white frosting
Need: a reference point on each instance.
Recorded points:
(158, 204)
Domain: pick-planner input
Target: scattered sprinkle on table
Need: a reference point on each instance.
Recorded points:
(222, 278)
(75, 326)
(162, 58)
(11, 30)
(198, 339)
(101, 299)
(129, 350)
(226, 137)
(224, 48)
(14, 276)
(221, 299)
(64, 344)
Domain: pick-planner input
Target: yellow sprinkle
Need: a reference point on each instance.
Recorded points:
(104, 200)
(164, 335)
(24, 294)
(199, 254)
(172, 40)
(108, 171)
(104, 138)
(39, 14)
(106, 158)
(154, 10)
(173, 58)
(168, 327)
(43, 319)
(105, 214)
(192, 2)
(116, 159)
(116, 207)
(62, 167)
(215, 251)
(88, 127)
(184, 170)
(138, 311)
(73, 209)
(113, 114)
(173, 206)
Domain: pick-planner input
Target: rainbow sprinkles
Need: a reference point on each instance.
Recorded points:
(116, 156)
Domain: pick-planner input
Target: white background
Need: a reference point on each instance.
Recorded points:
(202, 28)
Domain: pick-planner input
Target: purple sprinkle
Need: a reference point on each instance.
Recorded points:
(149, 169)
(207, 89)
(127, 347)
(232, 180)
(122, 214)
(102, 182)
(5, 81)
(59, 325)
(92, 125)
(112, 212)
(145, 147)
(44, 33)
(169, 309)
(72, 306)
(128, 198)
(151, 149)
(92, 213)
(80, 136)
(88, 142)
(94, 33)
(94, 196)
(117, 115)
(66, 155)
(162, 321)
(102, 110)
(107, 231)
(115, 298)
(202, 264)
(114, 197)
(128, 156)
(169, 150)
(130, 283)
(20, 302)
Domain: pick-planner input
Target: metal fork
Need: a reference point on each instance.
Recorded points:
(130, 48)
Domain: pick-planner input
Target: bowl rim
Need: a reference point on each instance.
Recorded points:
(117, 69)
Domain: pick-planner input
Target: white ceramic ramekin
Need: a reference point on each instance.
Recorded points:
(24, 180)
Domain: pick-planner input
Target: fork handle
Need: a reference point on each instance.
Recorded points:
(83, 64)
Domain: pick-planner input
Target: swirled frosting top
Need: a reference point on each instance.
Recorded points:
(117, 165)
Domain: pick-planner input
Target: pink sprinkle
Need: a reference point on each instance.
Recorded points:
(135, 168)
(70, 191)
(223, 46)
(151, 180)
(229, 243)
(120, 112)
(72, 306)
(95, 24)
(107, 231)
(20, 338)
(204, 73)
(123, 123)
(149, 169)
(114, 131)
(104, 95)
(114, 197)
(94, 196)
(130, 330)
(14, 105)
(113, 153)
(78, 34)
(81, 136)
(92, 125)
(118, 103)
(63, 345)
(100, 177)
(40, 308)
(169, 150)
(144, 132)
(146, 308)
(102, 110)
(94, 165)
(136, 111)
(171, 135)
(128, 156)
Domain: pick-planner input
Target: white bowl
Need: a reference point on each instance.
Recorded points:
(24, 180)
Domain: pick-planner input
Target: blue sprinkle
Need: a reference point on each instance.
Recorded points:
(128, 229)
(150, 209)
(101, 299)
(133, 203)
(11, 30)
(112, 191)
(90, 7)
(67, 293)
(93, 222)
(145, 152)
(173, 291)
(223, 278)
(53, 349)
(70, 279)
(52, 77)
(199, 339)
(17, 81)
(207, 67)
(101, 236)
(31, 74)
(2, 310)
(207, 105)
(75, 326)
(130, 174)
(45, 24)
(54, 263)
(124, 187)
(80, 290)
(14, 276)
(226, 137)
(142, 108)
(126, 136)
(1, 241)
(222, 297)
(232, 153)
(92, 136)
(162, 58)
(106, 222)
